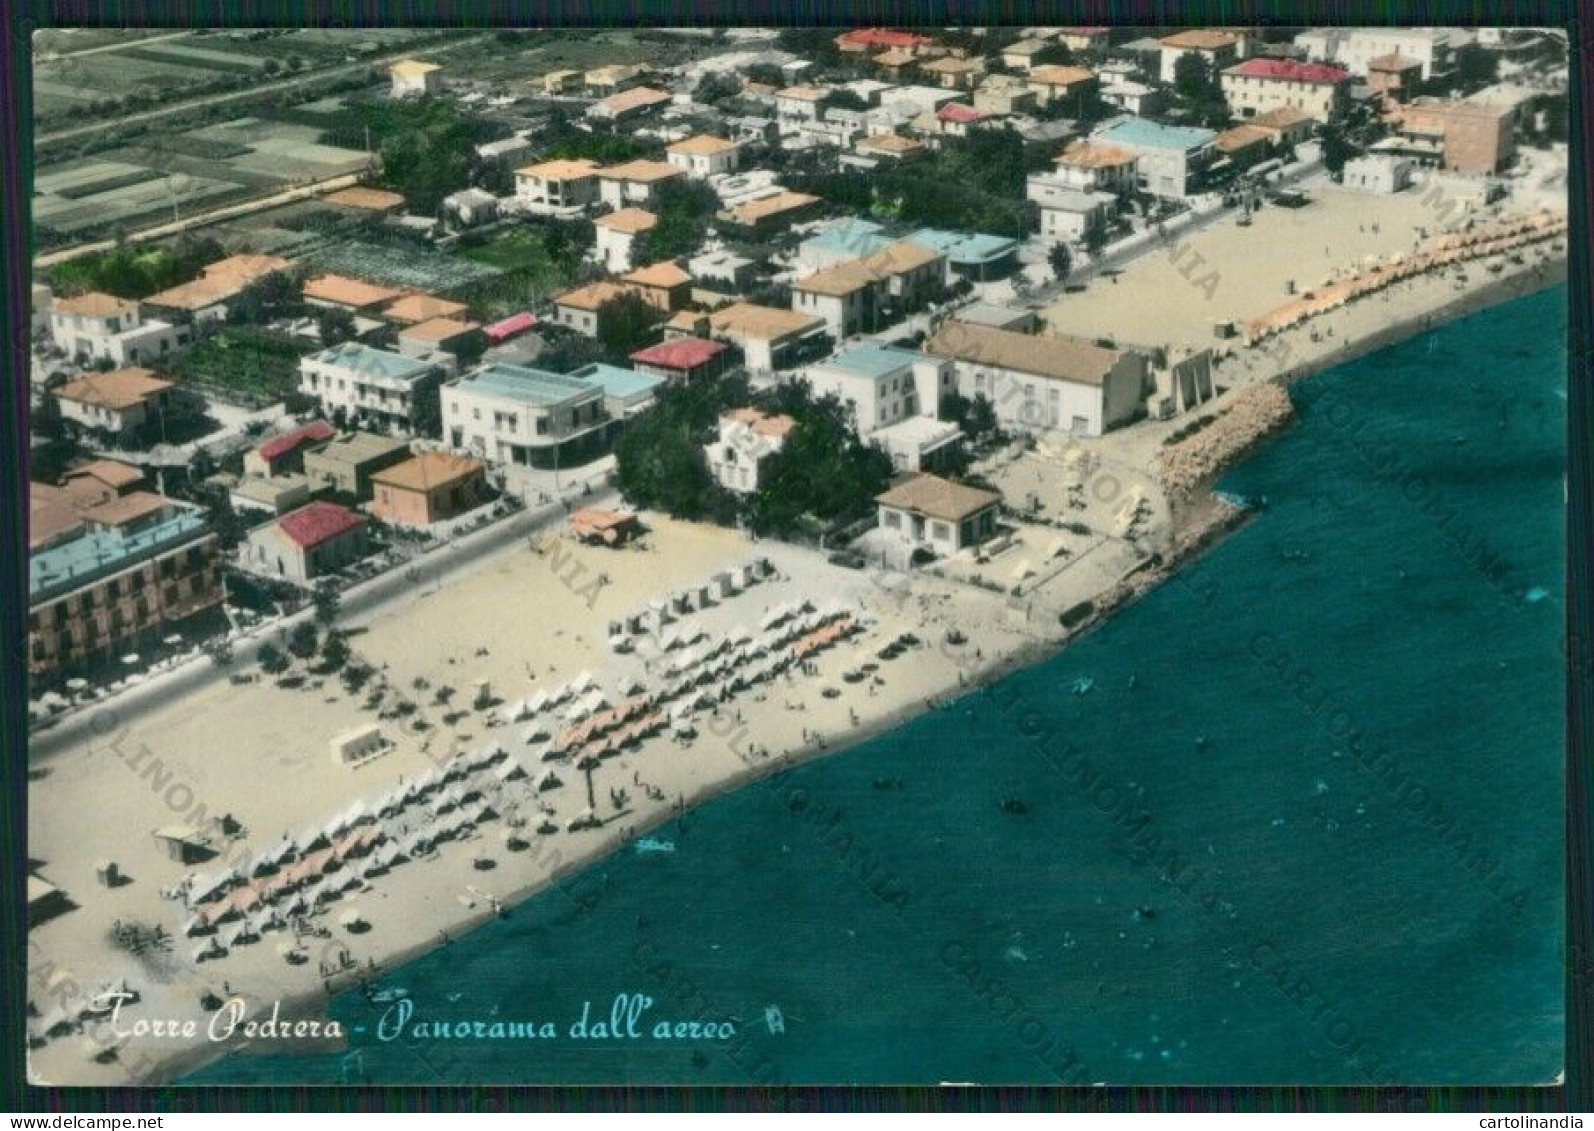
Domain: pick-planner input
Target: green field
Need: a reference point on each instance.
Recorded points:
(250, 364)
(532, 270)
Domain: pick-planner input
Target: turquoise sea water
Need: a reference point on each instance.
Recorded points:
(1340, 733)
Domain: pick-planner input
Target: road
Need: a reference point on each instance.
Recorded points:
(360, 605)
(252, 92)
(202, 219)
(142, 42)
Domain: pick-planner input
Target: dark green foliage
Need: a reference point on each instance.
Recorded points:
(684, 208)
(822, 472)
(626, 324)
(136, 271)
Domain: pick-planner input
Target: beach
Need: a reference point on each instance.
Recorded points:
(537, 617)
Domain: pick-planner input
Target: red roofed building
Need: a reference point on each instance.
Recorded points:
(881, 39)
(682, 359)
(1257, 86)
(285, 453)
(512, 327)
(305, 544)
(957, 112)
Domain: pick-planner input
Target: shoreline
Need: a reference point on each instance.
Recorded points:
(1203, 521)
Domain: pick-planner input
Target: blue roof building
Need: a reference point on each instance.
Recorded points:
(973, 255)
(1172, 159)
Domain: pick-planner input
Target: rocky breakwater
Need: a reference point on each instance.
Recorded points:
(1187, 466)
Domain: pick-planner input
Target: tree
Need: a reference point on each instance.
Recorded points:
(1476, 67)
(684, 208)
(272, 661)
(1095, 239)
(1061, 261)
(303, 639)
(334, 652)
(716, 87)
(1195, 81)
(975, 416)
(326, 600)
(334, 324)
(1052, 55)
(625, 324)
(1336, 148)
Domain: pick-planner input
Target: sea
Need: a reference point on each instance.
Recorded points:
(1293, 817)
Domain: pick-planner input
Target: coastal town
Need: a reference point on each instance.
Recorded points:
(456, 454)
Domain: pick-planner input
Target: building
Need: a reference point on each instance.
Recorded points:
(513, 414)
(413, 78)
(618, 234)
(896, 396)
(283, 454)
(1220, 49)
(1170, 160)
(361, 198)
(100, 327)
(969, 255)
(873, 39)
(794, 104)
(748, 440)
(873, 291)
(890, 147)
(841, 242)
(1066, 211)
(1044, 383)
(1240, 147)
(344, 293)
(663, 284)
(1001, 317)
(388, 390)
(616, 77)
(111, 566)
(430, 487)
(275, 495)
(1355, 49)
(1288, 126)
(635, 183)
(954, 74)
(578, 309)
(206, 298)
(629, 104)
(1380, 174)
(683, 359)
(1092, 166)
(118, 401)
(557, 188)
(1393, 76)
(1256, 86)
(768, 337)
(471, 207)
(703, 156)
(506, 149)
(723, 268)
(562, 82)
(937, 515)
(775, 211)
(1131, 97)
(1078, 39)
(626, 392)
(412, 310)
(1020, 55)
(302, 545)
(1060, 83)
(1473, 137)
(438, 336)
(1003, 94)
(344, 465)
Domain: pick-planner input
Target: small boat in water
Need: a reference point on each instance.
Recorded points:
(1083, 684)
(1014, 807)
(654, 844)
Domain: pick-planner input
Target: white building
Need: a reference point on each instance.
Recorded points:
(796, 104)
(1067, 212)
(769, 338)
(896, 397)
(385, 389)
(635, 183)
(748, 440)
(1353, 49)
(557, 188)
(618, 234)
(413, 79)
(1258, 86)
(703, 156)
(1044, 383)
(1381, 174)
(1219, 48)
(1170, 160)
(512, 414)
(96, 326)
(117, 401)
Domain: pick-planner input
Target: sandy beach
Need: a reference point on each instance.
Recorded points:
(532, 620)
